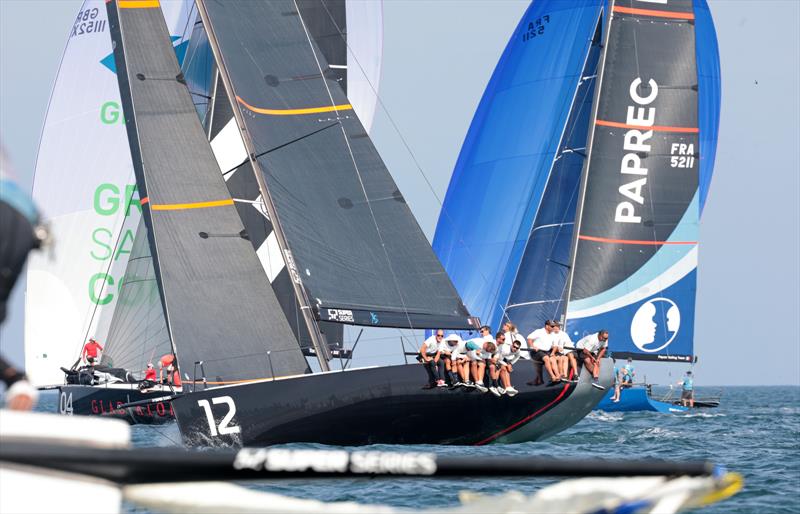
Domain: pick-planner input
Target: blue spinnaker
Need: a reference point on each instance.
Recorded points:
(503, 168)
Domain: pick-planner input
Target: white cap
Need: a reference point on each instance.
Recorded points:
(453, 337)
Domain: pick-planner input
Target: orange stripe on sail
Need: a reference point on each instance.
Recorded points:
(289, 112)
(144, 200)
(635, 241)
(655, 13)
(138, 4)
(182, 206)
(656, 128)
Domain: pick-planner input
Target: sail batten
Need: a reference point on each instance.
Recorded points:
(200, 253)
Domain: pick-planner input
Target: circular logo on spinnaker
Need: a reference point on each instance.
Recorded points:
(655, 324)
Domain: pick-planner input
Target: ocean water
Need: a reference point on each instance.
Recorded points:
(755, 431)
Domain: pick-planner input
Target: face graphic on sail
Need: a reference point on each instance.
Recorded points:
(645, 323)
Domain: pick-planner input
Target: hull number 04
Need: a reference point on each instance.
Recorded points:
(65, 403)
(224, 427)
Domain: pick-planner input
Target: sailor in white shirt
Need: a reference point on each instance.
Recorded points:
(479, 353)
(512, 334)
(429, 357)
(564, 353)
(591, 349)
(494, 364)
(541, 342)
(447, 349)
(509, 354)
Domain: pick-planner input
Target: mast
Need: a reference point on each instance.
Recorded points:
(317, 339)
(585, 172)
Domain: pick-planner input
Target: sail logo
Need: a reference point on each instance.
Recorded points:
(341, 315)
(645, 332)
(636, 147)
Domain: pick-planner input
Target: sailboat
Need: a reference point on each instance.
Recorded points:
(123, 308)
(600, 194)
(353, 251)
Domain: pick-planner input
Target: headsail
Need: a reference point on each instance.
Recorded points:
(635, 254)
(84, 185)
(513, 142)
(353, 244)
(196, 238)
(137, 332)
(537, 293)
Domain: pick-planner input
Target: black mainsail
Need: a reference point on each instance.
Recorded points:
(634, 254)
(199, 248)
(356, 252)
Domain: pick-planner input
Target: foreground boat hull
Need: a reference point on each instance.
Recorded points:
(85, 400)
(380, 406)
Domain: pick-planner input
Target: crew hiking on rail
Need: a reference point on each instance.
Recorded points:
(486, 362)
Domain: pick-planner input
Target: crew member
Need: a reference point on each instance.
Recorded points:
(564, 353)
(20, 232)
(627, 374)
(20, 394)
(477, 355)
(509, 355)
(169, 363)
(592, 348)
(91, 352)
(495, 363)
(687, 390)
(541, 342)
(429, 357)
(512, 334)
(446, 350)
(150, 373)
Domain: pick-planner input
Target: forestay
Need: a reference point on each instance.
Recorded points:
(635, 259)
(218, 304)
(352, 240)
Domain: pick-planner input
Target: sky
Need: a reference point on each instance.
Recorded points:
(438, 57)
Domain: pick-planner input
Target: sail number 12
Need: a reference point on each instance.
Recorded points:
(224, 427)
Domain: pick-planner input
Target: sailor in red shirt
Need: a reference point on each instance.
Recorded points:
(173, 375)
(150, 374)
(91, 351)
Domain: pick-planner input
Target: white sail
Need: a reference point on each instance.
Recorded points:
(85, 188)
(364, 57)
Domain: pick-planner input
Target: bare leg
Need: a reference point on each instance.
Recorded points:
(548, 363)
(573, 363)
(563, 362)
(504, 376)
(481, 366)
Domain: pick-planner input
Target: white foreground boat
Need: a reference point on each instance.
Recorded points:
(38, 449)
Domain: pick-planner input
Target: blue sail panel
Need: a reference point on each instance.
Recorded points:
(538, 287)
(509, 149)
(658, 327)
(710, 93)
